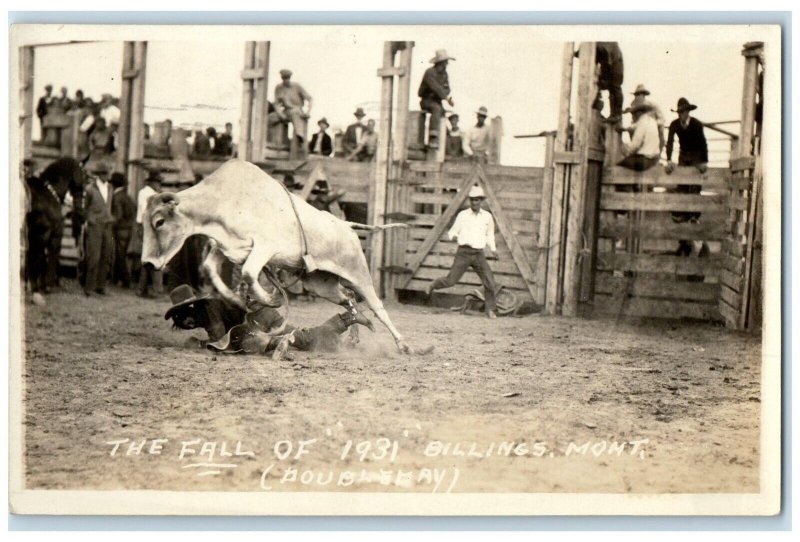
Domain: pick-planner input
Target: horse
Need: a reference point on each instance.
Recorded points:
(44, 221)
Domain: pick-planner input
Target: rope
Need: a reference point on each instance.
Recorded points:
(299, 223)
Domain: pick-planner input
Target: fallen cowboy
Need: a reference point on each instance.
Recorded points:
(232, 329)
(258, 224)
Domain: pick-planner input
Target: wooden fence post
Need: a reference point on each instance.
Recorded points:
(259, 109)
(26, 102)
(377, 197)
(544, 219)
(554, 277)
(124, 128)
(248, 91)
(136, 142)
(576, 210)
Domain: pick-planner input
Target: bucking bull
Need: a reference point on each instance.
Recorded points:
(257, 223)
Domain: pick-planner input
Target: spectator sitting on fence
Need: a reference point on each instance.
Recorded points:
(322, 197)
(473, 230)
(213, 138)
(202, 143)
(63, 102)
(109, 111)
(478, 138)
(693, 152)
(640, 95)
(455, 140)
(223, 144)
(321, 143)
(643, 151)
(367, 146)
(352, 135)
(435, 88)
(612, 70)
(292, 104)
(42, 107)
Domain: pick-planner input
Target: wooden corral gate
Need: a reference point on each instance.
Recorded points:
(642, 222)
(429, 195)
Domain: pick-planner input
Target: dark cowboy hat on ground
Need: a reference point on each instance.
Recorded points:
(252, 336)
(182, 296)
(684, 105)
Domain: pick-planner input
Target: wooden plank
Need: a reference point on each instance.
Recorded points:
(729, 315)
(445, 261)
(731, 280)
(732, 263)
(733, 247)
(508, 233)
(26, 90)
(576, 209)
(656, 176)
(260, 103)
(658, 308)
(544, 222)
(624, 201)
(739, 203)
(441, 225)
(566, 157)
(419, 285)
(662, 228)
(555, 260)
(731, 297)
(652, 263)
(502, 279)
(248, 92)
(136, 171)
(124, 127)
(657, 288)
(377, 204)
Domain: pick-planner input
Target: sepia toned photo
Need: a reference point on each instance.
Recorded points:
(395, 270)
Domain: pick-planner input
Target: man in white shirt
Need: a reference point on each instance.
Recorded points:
(644, 150)
(473, 230)
(640, 95)
(478, 138)
(147, 274)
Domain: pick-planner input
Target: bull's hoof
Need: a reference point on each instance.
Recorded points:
(404, 348)
(38, 299)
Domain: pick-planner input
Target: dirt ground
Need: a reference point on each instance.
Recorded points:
(531, 404)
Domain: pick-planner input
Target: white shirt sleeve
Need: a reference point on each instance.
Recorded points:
(466, 142)
(490, 240)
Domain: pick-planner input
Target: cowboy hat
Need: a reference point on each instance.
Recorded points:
(360, 112)
(182, 296)
(99, 169)
(482, 111)
(324, 121)
(441, 56)
(684, 105)
(286, 73)
(476, 192)
(641, 89)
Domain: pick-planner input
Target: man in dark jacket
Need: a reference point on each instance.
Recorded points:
(694, 152)
(321, 143)
(435, 88)
(99, 237)
(352, 135)
(123, 209)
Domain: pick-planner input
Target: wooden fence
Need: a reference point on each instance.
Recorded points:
(428, 196)
(639, 271)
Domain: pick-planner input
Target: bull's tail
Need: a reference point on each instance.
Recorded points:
(359, 226)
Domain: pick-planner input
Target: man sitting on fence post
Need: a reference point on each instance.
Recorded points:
(293, 104)
(694, 152)
(434, 88)
(474, 232)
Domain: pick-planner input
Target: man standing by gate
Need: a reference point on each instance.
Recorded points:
(474, 232)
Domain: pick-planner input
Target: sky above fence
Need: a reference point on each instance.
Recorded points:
(515, 75)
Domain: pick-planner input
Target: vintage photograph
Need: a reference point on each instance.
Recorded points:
(395, 270)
